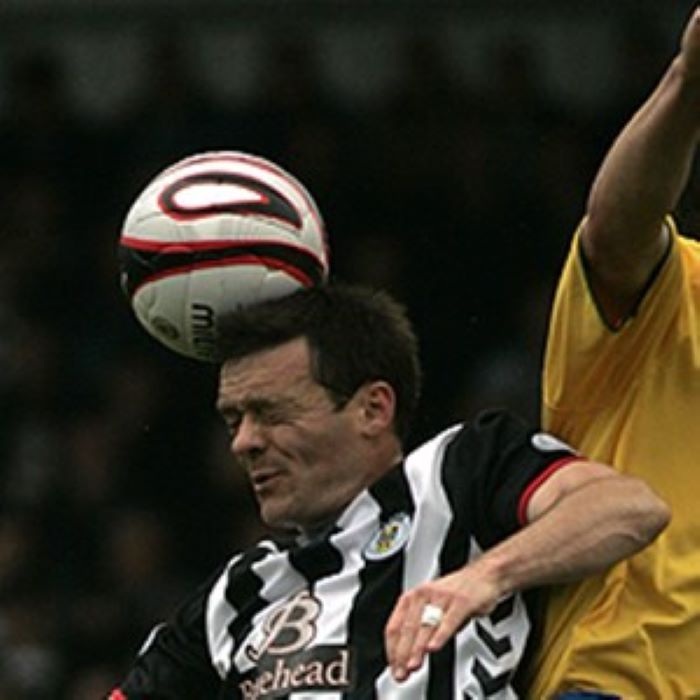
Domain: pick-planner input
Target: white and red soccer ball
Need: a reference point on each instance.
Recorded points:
(211, 233)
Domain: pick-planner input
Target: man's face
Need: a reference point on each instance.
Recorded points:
(302, 455)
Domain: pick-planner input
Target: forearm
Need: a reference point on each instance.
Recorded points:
(587, 529)
(591, 528)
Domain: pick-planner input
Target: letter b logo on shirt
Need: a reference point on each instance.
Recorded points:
(289, 627)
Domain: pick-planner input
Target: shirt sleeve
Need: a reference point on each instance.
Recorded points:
(589, 364)
(174, 663)
(494, 465)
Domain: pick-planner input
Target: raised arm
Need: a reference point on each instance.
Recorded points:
(582, 519)
(640, 180)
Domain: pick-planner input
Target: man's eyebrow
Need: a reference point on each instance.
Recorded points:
(254, 403)
(224, 407)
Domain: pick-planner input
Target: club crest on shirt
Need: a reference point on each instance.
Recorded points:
(390, 538)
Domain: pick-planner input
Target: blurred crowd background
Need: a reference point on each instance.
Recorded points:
(450, 148)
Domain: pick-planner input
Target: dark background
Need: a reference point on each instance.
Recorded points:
(449, 145)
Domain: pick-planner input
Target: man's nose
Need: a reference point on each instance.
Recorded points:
(249, 437)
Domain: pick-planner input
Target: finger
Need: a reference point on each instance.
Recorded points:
(392, 631)
(451, 622)
(410, 628)
(419, 647)
(406, 627)
(429, 630)
(458, 614)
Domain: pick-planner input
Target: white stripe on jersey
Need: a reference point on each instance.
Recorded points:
(218, 616)
(433, 514)
(338, 591)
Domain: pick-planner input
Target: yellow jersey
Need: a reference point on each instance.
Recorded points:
(630, 397)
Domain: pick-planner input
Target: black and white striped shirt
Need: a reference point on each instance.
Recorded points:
(306, 621)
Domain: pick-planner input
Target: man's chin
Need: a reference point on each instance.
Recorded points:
(277, 520)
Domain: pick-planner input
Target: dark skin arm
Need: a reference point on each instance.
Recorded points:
(641, 180)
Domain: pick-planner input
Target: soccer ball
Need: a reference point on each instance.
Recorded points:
(211, 233)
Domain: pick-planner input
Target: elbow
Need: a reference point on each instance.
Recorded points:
(663, 517)
(654, 515)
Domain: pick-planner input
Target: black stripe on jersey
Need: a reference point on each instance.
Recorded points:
(535, 600)
(503, 610)
(243, 593)
(499, 646)
(441, 665)
(393, 494)
(381, 584)
(490, 684)
(316, 560)
(460, 466)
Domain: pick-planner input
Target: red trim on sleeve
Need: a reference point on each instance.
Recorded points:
(530, 489)
(117, 695)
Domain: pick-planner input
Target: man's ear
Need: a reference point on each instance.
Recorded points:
(376, 407)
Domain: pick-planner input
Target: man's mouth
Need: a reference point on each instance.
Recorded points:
(263, 478)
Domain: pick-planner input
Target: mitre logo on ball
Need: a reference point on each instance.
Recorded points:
(211, 233)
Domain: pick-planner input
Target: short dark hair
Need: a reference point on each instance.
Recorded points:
(355, 334)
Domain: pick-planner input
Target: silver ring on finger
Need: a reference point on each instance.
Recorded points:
(431, 615)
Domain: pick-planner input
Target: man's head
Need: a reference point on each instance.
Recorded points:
(317, 389)
(355, 335)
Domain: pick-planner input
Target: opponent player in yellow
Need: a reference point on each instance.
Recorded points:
(622, 382)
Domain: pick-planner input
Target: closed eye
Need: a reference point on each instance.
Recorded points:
(232, 422)
(263, 412)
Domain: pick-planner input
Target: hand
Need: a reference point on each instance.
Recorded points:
(690, 46)
(461, 595)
